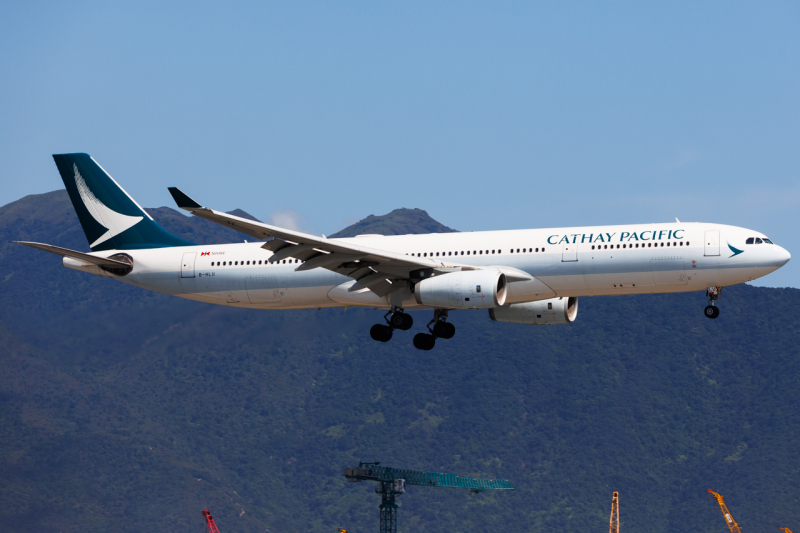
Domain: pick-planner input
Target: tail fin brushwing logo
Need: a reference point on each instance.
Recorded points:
(115, 223)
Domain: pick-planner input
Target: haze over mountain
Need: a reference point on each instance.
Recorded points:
(125, 410)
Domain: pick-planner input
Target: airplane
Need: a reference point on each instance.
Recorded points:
(528, 276)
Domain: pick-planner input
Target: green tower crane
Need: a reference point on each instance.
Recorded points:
(393, 483)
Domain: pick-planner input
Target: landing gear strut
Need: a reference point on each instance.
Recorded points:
(711, 310)
(395, 319)
(441, 329)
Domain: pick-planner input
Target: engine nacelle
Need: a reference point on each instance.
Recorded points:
(465, 289)
(541, 313)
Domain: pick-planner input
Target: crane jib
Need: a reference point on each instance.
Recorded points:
(428, 479)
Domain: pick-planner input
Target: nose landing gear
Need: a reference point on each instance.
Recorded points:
(441, 330)
(711, 310)
(395, 319)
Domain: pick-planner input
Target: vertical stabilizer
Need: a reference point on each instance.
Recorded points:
(110, 218)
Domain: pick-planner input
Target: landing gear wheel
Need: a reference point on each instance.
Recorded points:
(400, 320)
(423, 341)
(711, 311)
(444, 330)
(381, 333)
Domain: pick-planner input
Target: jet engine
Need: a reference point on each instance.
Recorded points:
(541, 313)
(465, 289)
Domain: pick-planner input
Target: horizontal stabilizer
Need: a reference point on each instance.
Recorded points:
(65, 252)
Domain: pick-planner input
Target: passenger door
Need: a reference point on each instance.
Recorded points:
(187, 264)
(712, 242)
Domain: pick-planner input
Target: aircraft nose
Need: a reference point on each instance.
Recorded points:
(783, 255)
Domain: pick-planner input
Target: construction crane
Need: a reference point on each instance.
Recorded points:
(212, 527)
(393, 483)
(786, 530)
(731, 523)
(613, 526)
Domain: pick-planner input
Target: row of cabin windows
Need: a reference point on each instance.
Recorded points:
(242, 263)
(649, 245)
(758, 240)
(474, 252)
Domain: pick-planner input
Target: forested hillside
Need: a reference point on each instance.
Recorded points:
(124, 410)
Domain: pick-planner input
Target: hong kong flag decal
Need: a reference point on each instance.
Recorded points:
(204, 253)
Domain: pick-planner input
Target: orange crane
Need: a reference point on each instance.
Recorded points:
(732, 525)
(786, 530)
(212, 527)
(613, 526)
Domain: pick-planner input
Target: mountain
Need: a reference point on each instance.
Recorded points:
(124, 410)
(398, 222)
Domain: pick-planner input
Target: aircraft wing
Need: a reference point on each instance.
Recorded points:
(66, 252)
(372, 267)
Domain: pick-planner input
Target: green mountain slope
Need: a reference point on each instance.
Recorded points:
(125, 410)
(398, 222)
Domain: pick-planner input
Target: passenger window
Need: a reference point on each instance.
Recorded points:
(750, 240)
(758, 241)
(549, 305)
(618, 247)
(593, 247)
(662, 244)
(524, 250)
(667, 244)
(481, 252)
(622, 246)
(543, 249)
(637, 244)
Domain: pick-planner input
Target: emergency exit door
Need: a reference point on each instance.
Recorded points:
(569, 252)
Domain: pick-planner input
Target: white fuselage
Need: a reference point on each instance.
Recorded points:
(590, 261)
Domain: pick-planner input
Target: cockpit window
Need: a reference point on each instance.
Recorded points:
(768, 241)
(751, 240)
(758, 241)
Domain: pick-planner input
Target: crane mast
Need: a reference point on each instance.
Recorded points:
(729, 521)
(212, 527)
(613, 526)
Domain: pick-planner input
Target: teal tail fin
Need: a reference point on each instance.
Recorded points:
(110, 218)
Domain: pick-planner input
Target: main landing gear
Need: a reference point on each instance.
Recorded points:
(395, 319)
(711, 310)
(441, 330)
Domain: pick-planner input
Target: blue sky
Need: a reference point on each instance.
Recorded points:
(487, 115)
